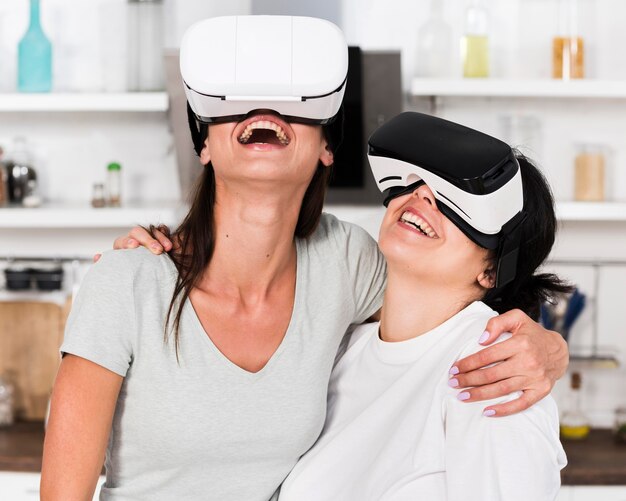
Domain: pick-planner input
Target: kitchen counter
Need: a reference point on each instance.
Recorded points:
(595, 461)
(21, 446)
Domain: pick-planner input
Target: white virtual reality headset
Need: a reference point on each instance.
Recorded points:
(295, 66)
(475, 179)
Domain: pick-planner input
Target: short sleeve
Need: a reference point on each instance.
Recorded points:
(101, 324)
(518, 457)
(367, 272)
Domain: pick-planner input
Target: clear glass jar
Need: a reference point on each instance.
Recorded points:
(145, 45)
(589, 184)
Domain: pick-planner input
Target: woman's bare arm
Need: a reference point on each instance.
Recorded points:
(81, 412)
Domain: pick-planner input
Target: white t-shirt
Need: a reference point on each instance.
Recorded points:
(204, 428)
(396, 431)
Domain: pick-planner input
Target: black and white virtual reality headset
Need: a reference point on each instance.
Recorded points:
(296, 66)
(475, 179)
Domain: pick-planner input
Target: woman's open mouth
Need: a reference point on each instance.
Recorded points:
(414, 221)
(264, 130)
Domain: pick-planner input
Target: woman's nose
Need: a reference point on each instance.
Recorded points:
(423, 192)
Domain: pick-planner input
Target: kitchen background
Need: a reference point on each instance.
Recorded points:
(94, 116)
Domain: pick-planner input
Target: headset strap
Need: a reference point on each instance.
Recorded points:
(508, 250)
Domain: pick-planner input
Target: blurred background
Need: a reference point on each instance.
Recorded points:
(93, 140)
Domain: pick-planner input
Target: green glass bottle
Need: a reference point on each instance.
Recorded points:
(34, 54)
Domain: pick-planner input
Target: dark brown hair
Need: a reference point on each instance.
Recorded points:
(529, 289)
(196, 234)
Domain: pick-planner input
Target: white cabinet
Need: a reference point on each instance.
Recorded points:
(17, 486)
(599, 493)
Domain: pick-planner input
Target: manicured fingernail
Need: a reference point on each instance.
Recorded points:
(489, 413)
(463, 395)
(454, 370)
(453, 383)
(484, 337)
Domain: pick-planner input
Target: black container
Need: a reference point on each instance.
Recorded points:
(48, 277)
(17, 278)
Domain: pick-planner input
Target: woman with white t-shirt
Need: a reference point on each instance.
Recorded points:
(396, 428)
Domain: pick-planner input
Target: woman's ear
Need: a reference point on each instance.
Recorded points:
(205, 154)
(327, 157)
(487, 279)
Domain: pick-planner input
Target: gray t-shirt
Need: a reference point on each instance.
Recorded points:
(207, 429)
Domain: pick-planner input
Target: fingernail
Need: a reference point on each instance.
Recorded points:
(463, 395)
(489, 413)
(453, 383)
(484, 337)
(156, 247)
(454, 370)
(132, 242)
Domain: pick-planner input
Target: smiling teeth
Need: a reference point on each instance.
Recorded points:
(419, 223)
(264, 124)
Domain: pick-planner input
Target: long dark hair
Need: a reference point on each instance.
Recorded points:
(529, 289)
(195, 236)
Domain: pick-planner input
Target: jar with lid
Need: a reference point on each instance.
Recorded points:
(114, 184)
(145, 45)
(6, 402)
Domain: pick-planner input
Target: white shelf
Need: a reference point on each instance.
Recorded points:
(35, 296)
(491, 87)
(67, 102)
(591, 211)
(74, 216)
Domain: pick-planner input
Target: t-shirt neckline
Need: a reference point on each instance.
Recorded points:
(228, 364)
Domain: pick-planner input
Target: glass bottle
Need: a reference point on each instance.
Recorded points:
(568, 51)
(114, 184)
(434, 45)
(475, 41)
(145, 45)
(574, 423)
(34, 72)
(4, 181)
(6, 402)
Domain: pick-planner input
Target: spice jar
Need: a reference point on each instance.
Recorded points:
(590, 167)
(98, 199)
(114, 184)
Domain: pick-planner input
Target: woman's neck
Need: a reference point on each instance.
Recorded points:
(412, 307)
(254, 239)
